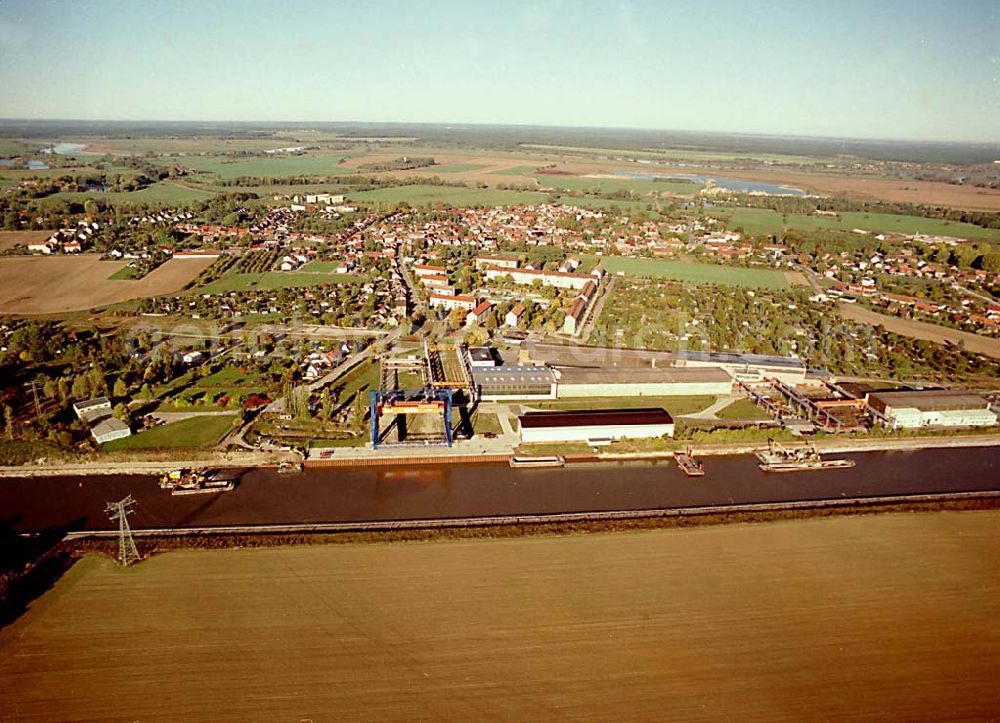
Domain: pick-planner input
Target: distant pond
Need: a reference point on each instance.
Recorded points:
(736, 185)
(65, 149)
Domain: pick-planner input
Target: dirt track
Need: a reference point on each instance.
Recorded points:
(922, 330)
(53, 284)
(889, 617)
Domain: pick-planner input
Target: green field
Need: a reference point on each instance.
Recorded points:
(19, 174)
(123, 274)
(192, 432)
(696, 273)
(320, 267)
(204, 393)
(764, 220)
(458, 167)
(614, 185)
(279, 166)
(166, 193)
(451, 195)
(273, 280)
(358, 380)
(515, 171)
(742, 409)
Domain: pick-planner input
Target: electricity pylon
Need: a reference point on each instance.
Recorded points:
(119, 511)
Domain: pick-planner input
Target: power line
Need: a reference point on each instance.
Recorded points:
(119, 511)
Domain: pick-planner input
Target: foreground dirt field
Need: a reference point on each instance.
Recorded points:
(53, 284)
(922, 330)
(890, 617)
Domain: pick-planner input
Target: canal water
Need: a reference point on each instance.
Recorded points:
(340, 494)
(736, 185)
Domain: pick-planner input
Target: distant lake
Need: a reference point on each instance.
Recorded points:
(6, 163)
(736, 185)
(65, 149)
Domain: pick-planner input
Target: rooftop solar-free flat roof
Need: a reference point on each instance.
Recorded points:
(932, 400)
(513, 375)
(642, 375)
(720, 357)
(595, 418)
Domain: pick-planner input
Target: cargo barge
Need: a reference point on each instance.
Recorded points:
(777, 458)
(197, 481)
(688, 464)
(529, 462)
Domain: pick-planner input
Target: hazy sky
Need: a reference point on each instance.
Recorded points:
(901, 69)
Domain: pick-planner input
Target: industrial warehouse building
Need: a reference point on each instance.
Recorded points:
(597, 425)
(108, 429)
(514, 382)
(92, 410)
(483, 356)
(747, 367)
(933, 408)
(641, 382)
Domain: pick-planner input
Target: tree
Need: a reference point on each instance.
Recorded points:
(121, 389)
(991, 262)
(81, 387)
(121, 412)
(7, 415)
(63, 387)
(326, 405)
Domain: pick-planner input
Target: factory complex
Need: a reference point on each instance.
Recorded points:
(788, 395)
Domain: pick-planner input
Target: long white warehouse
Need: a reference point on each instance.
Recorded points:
(641, 382)
(933, 408)
(593, 425)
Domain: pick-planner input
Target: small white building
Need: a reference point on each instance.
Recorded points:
(92, 409)
(574, 317)
(504, 262)
(428, 270)
(479, 315)
(109, 429)
(41, 247)
(467, 303)
(482, 356)
(513, 318)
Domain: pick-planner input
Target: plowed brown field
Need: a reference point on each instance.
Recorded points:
(53, 284)
(871, 618)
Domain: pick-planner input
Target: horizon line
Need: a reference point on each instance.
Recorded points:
(756, 134)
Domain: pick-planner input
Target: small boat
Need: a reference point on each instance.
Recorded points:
(528, 462)
(196, 482)
(777, 458)
(289, 468)
(688, 464)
